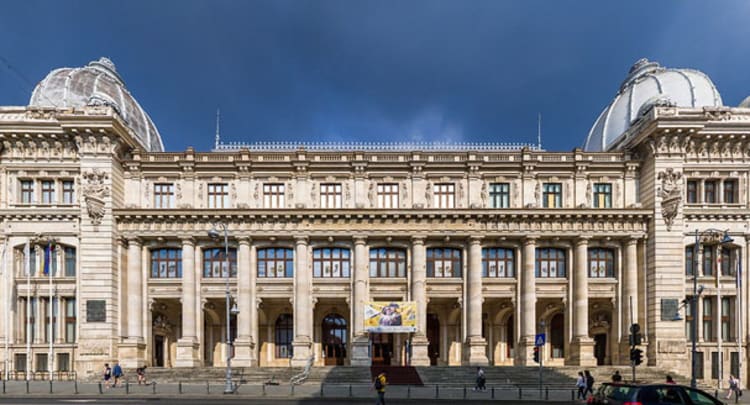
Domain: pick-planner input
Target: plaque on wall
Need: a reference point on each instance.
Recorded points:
(669, 308)
(96, 311)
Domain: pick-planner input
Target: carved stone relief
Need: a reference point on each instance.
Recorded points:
(371, 194)
(95, 190)
(484, 195)
(404, 193)
(428, 195)
(671, 195)
(290, 194)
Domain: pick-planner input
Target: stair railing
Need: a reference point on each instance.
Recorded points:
(301, 377)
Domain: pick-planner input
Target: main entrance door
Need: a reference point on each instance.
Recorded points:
(334, 339)
(382, 349)
(158, 351)
(433, 335)
(600, 348)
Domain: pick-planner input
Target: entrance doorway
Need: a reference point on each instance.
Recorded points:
(433, 335)
(600, 348)
(334, 339)
(159, 351)
(382, 349)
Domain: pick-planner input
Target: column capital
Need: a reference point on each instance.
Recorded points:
(187, 241)
(418, 239)
(301, 239)
(633, 240)
(135, 240)
(530, 240)
(360, 239)
(244, 240)
(475, 239)
(583, 240)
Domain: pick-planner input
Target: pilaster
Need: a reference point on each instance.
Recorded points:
(303, 307)
(528, 302)
(361, 341)
(244, 345)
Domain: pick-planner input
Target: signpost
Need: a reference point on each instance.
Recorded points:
(539, 341)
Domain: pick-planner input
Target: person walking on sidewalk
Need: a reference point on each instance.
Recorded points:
(734, 387)
(107, 375)
(379, 384)
(480, 380)
(117, 373)
(581, 385)
(589, 383)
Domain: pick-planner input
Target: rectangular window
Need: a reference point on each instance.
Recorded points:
(726, 325)
(275, 263)
(715, 365)
(689, 261)
(273, 195)
(497, 262)
(218, 195)
(29, 332)
(734, 363)
(48, 192)
(708, 260)
(386, 262)
(730, 191)
(70, 261)
(47, 323)
(500, 195)
(689, 319)
(552, 195)
(601, 263)
(692, 191)
(63, 362)
(444, 195)
(70, 320)
(166, 263)
(602, 195)
(330, 195)
(699, 365)
(215, 265)
(27, 192)
(163, 195)
(727, 265)
(388, 195)
(68, 192)
(708, 319)
(19, 362)
(709, 192)
(41, 363)
(550, 263)
(331, 263)
(443, 262)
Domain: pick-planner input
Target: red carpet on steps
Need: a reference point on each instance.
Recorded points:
(398, 375)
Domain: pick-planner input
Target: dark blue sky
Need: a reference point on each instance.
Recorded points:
(461, 71)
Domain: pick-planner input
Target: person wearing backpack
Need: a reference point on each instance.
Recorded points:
(117, 373)
(379, 384)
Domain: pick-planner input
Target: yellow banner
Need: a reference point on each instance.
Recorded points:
(391, 317)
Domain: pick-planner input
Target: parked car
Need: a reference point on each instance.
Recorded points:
(650, 394)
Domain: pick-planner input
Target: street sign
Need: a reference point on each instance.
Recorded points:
(540, 338)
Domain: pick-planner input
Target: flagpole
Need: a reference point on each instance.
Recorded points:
(7, 309)
(27, 250)
(48, 266)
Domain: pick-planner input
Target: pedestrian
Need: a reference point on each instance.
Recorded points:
(107, 375)
(589, 383)
(117, 373)
(581, 385)
(616, 377)
(734, 387)
(670, 380)
(379, 384)
(480, 380)
(141, 372)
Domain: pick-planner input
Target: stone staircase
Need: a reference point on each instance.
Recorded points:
(255, 375)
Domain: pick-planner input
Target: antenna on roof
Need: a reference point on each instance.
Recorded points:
(218, 137)
(539, 132)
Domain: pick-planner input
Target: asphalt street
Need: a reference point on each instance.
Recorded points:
(237, 401)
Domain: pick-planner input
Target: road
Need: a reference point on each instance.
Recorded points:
(237, 401)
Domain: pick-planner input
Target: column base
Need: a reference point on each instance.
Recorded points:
(244, 353)
(581, 352)
(132, 353)
(361, 351)
(419, 351)
(525, 355)
(475, 351)
(187, 353)
(302, 348)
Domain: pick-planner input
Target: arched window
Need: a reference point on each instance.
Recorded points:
(497, 262)
(275, 263)
(214, 263)
(443, 262)
(387, 262)
(557, 336)
(550, 262)
(283, 335)
(601, 263)
(331, 262)
(166, 263)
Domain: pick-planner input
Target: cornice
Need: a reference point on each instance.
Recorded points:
(716, 214)
(40, 214)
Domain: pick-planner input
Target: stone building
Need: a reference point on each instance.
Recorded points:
(494, 242)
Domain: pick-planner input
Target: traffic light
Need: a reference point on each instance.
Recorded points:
(536, 354)
(635, 334)
(636, 356)
(635, 340)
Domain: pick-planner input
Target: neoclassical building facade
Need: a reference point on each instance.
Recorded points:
(495, 243)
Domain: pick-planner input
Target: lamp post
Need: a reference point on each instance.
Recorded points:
(214, 234)
(694, 300)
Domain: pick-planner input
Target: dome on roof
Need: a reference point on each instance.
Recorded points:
(745, 103)
(97, 83)
(649, 84)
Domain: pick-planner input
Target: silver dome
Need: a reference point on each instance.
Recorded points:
(649, 84)
(97, 83)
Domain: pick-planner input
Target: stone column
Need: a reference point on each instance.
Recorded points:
(476, 345)
(187, 345)
(361, 341)
(528, 302)
(582, 346)
(629, 294)
(420, 357)
(303, 306)
(133, 350)
(244, 346)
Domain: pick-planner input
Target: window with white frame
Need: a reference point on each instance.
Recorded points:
(331, 262)
(443, 262)
(330, 195)
(550, 262)
(388, 195)
(497, 262)
(499, 195)
(27, 192)
(601, 263)
(273, 195)
(48, 192)
(68, 192)
(218, 195)
(163, 195)
(444, 195)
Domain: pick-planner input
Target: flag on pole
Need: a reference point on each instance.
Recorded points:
(47, 258)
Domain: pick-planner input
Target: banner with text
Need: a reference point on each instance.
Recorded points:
(391, 317)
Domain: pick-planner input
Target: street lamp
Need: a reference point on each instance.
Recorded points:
(694, 300)
(216, 235)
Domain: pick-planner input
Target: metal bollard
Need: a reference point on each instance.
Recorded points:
(127, 387)
(264, 389)
(408, 391)
(50, 386)
(179, 387)
(572, 395)
(520, 393)
(437, 391)
(493, 392)
(153, 386)
(292, 392)
(350, 390)
(208, 388)
(464, 391)
(75, 387)
(321, 390)
(100, 388)
(546, 393)
(3, 386)
(27, 386)
(716, 393)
